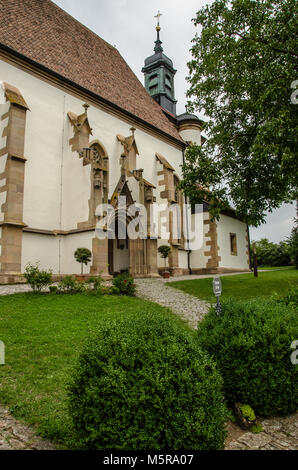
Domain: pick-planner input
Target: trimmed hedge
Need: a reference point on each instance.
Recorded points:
(142, 382)
(250, 342)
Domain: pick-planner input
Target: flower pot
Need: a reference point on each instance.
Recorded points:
(166, 274)
(80, 277)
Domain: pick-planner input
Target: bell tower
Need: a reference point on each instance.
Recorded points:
(159, 75)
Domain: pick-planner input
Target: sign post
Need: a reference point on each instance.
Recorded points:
(217, 289)
(2, 353)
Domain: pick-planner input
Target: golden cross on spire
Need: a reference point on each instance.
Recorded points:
(158, 16)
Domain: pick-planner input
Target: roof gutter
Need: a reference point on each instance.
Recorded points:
(88, 92)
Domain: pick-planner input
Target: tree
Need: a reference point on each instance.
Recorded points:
(164, 251)
(83, 256)
(293, 244)
(242, 69)
(272, 254)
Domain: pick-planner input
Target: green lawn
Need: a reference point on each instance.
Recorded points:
(261, 268)
(43, 335)
(242, 285)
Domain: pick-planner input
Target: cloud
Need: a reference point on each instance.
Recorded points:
(278, 224)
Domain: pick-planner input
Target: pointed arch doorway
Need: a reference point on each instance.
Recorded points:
(136, 256)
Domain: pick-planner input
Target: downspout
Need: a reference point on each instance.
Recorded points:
(187, 226)
(248, 242)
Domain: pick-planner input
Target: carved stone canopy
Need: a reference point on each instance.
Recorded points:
(14, 95)
(128, 143)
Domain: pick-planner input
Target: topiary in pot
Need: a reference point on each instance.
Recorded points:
(164, 251)
(144, 383)
(83, 256)
(251, 343)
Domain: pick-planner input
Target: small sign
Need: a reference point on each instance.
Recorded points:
(2, 353)
(217, 286)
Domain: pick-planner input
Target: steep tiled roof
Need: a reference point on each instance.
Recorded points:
(44, 33)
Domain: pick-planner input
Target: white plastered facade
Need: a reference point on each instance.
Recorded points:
(57, 184)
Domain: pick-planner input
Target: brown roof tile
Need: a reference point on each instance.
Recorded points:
(43, 32)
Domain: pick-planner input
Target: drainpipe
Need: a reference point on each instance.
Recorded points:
(248, 239)
(187, 226)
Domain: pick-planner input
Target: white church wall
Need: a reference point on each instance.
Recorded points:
(197, 258)
(76, 180)
(57, 185)
(40, 248)
(69, 244)
(225, 226)
(43, 143)
(182, 259)
(4, 108)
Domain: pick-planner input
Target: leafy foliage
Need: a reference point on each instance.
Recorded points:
(272, 254)
(83, 256)
(250, 342)
(95, 282)
(69, 285)
(290, 298)
(242, 68)
(36, 277)
(142, 382)
(293, 243)
(124, 284)
(247, 412)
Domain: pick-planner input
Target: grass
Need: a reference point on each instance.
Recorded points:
(261, 268)
(43, 335)
(242, 285)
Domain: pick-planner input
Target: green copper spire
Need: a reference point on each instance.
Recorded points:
(159, 75)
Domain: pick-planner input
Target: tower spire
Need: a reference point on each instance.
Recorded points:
(158, 43)
(159, 75)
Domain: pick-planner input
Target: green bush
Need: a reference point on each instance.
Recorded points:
(69, 285)
(142, 382)
(250, 342)
(125, 284)
(95, 282)
(290, 298)
(36, 277)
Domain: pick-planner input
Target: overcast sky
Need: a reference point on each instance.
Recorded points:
(129, 25)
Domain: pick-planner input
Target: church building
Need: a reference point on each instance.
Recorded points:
(77, 130)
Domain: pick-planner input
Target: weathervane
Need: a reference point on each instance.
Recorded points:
(158, 16)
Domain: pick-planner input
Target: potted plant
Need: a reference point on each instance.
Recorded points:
(83, 256)
(164, 251)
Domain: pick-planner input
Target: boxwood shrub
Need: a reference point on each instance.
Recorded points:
(250, 342)
(142, 383)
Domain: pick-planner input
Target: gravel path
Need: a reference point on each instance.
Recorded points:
(14, 289)
(188, 307)
(277, 434)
